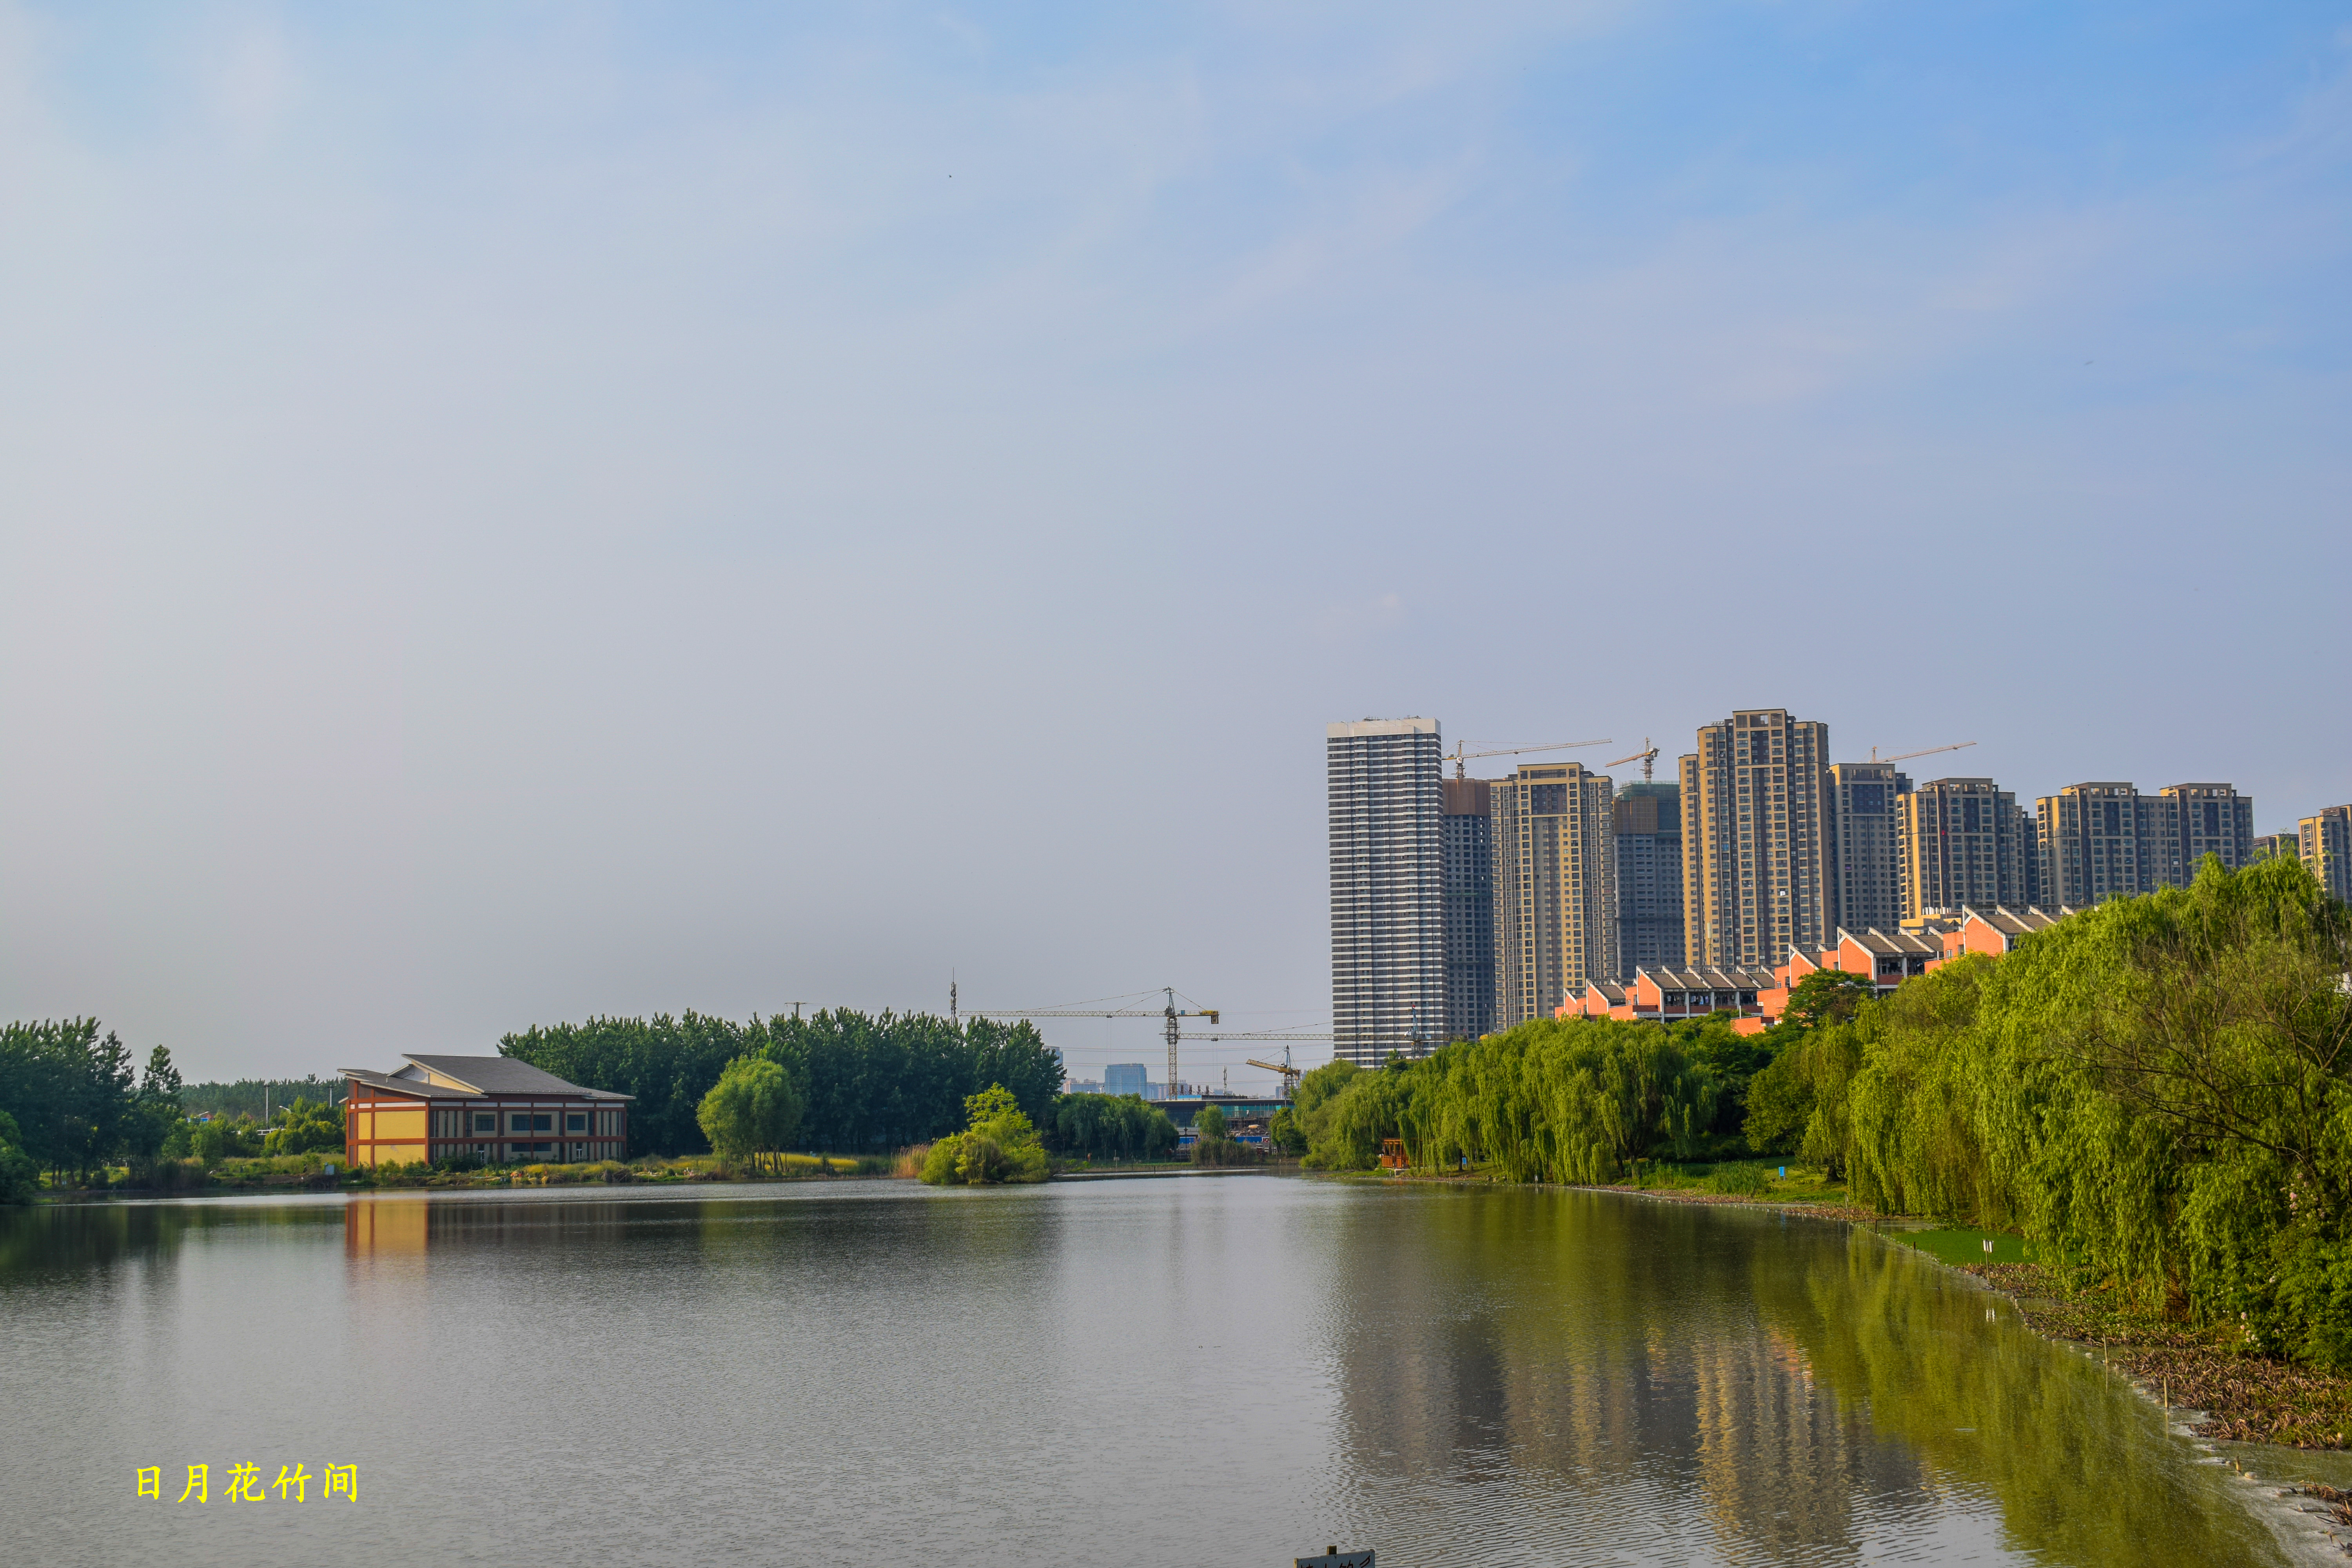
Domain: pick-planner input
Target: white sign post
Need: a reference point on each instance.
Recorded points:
(1334, 1558)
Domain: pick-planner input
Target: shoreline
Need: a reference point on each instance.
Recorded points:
(2182, 1371)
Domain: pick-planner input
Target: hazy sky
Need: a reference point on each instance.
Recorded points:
(511, 512)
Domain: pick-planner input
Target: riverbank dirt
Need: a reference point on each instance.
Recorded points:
(2246, 1398)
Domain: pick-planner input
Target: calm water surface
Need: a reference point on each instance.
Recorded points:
(1230, 1371)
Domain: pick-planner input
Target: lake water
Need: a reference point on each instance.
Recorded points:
(1237, 1370)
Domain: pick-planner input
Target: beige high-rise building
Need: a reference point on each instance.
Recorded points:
(2101, 841)
(1866, 856)
(1554, 846)
(1756, 850)
(2325, 842)
(2096, 841)
(1962, 842)
(2202, 819)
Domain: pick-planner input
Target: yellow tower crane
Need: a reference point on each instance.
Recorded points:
(1647, 758)
(1460, 755)
(1169, 1011)
(1929, 752)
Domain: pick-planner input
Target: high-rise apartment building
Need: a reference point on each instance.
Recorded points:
(1555, 893)
(1468, 836)
(1649, 878)
(2096, 841)
(2202, 819)
(2325, 842)
(1756, 851)
(1962, 842)
(2099, 841)
(1865, 856)
(1388, 890)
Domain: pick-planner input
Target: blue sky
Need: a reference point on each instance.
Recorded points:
(523, 511)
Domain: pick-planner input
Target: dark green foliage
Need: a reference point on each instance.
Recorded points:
(1211, 1122)
(70, 1090)
(20, 1176)
(1112, 1127)
(1286, 1132)
(670, 1064)
(896, 1080)
(864, 1082)
(1826, 996)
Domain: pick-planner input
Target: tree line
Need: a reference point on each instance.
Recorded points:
(72, 1105)
(863, 1082)
(2160, 1088)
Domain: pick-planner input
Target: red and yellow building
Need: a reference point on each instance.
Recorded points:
(1758, 997)
(502, 1111)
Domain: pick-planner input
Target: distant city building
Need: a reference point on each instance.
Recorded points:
(1126, 1078)
(1388, 890)
(1865, 857)
(2277, 847)
(1649, 878)
(2325, 844)
(2104, 840)
(1468, 841)
(1755, 855)
(2202, 819)
(2096, 841)
(1963, 843)
(1555, 892)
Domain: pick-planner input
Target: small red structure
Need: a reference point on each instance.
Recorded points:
(1392, 1154)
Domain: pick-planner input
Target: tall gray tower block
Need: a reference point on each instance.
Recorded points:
(1387, 888)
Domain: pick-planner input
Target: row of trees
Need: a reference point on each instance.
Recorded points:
(74, 1101)
(72, 1104)
(2162, 1088)
(861, 1083)
(1567, 1100)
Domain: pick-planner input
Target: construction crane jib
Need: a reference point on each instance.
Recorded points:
(1929, 752)
(1460, 755)
(1171, 1013)
(1648, 758)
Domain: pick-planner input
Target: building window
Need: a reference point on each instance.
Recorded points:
(575, 1122)
(486, 1122)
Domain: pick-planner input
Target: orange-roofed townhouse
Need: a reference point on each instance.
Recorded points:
(1993, 932)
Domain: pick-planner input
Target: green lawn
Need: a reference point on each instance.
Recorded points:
(1968, 1246)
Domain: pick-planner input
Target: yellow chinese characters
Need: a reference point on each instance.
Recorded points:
(245, 1484)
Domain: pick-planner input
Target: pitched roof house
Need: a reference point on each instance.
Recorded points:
(503, 1110)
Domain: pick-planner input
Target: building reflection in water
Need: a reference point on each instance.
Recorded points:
(1583, 1353)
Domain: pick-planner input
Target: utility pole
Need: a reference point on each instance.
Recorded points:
(951, 1001)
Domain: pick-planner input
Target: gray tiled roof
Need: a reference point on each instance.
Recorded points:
(505, 1075)
(408, 1085)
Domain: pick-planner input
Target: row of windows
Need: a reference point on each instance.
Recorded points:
(474, 1124)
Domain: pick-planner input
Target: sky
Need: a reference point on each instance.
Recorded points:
(512, 512)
